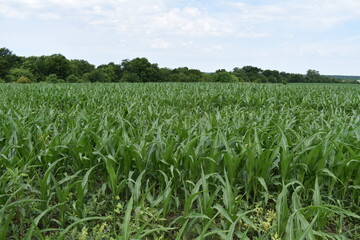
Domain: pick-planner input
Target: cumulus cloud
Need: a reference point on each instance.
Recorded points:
(324, 13)
(160, 17)
(228, 27)
(142, 17)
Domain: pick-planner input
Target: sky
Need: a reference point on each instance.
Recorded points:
(291, 36)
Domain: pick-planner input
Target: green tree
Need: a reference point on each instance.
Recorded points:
(52, 78)
(130, 77)
(165, 74)
(184, 74)
(240, 74)
(8, 60)
(36, 66)
(146, 71)
(80, 67)
(224, 76)
(57, 64)
(272, 76)
(313, 76)
(72, 78)
(97, 75)
(179, 77)
(112, 71)
(16, 73)
(252, 73)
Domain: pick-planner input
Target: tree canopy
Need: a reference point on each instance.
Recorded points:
(57, 68)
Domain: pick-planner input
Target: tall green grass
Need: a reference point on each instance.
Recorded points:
(179, 161)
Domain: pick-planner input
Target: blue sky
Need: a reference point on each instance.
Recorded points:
(291, 36)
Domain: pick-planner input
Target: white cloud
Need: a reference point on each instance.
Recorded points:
(160, 17)
(49, 16)
(246, 31)
(160, 44)
(135, 18)
(306, 13)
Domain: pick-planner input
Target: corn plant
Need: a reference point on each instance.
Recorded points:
(179, 161)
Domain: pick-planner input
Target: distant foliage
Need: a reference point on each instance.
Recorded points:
(224, 76)
(130, 77)
(52, 78)
(38, 69)
(16, 73)
(23, 80)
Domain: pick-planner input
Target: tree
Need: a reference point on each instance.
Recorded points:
(224, 76)
(296, 78)
(272, 76)
(72, 79)
(36, 66)
(313, 76)
(57, 64)
(146, 71)
(8, 60)
(179, 77)
(165, 74)
(184, 74)
(80, 67)
(43, 66)
(112, 71)
(16, 73)
(240, 74)
(252, 73)
(130, 77)
(95, 76)
(52, 78)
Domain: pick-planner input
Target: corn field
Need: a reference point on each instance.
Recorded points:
(179, 161)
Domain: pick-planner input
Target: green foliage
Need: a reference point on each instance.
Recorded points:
(146, 71)
(140, 70)
(8, 60)
(23, 79)
(179, 161)
(113, 72)
(80, 67)
(16, 73)
(57, 64)
(224, 76)
(72, 79)
(52, 78)
(130, 77)
(96, 75)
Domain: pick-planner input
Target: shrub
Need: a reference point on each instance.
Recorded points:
(72, 79)
(130, 77)
(223, 76)
(52, 78)
(23, 80)
(16, 73)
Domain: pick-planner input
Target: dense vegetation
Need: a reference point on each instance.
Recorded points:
(56, 68)
(179, 161)
(345, 78)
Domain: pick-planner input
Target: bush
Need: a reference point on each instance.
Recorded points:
(16, 73)
(130, 77)
(52, 78)
(97, 75)
(72, 79)
(223, 76)
(23, 80)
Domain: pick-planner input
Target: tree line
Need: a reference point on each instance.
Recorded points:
(57, 68)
